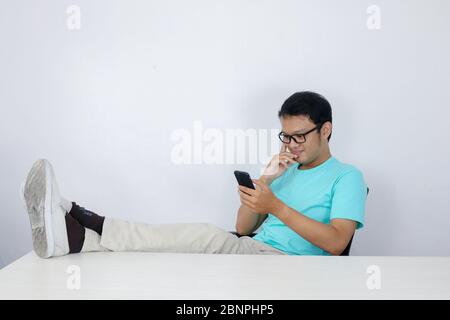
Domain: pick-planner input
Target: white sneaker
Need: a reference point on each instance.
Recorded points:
(46, 211)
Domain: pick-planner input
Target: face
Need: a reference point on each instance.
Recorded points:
(316, 145)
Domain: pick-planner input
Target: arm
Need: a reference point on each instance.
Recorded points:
(332, 237)
(248, 221)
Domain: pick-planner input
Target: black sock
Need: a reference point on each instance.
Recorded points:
(75, 234)
(87, 219)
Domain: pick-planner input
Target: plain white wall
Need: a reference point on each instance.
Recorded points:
(102, 102)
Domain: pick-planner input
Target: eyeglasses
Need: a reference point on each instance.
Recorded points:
(298, 138)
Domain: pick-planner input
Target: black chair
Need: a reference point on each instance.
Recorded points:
(346, 251)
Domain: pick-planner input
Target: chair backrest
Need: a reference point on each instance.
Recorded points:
(346, 251)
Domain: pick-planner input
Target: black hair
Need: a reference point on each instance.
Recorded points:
(307, 103)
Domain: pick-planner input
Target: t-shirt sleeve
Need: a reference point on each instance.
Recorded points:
(349, 198)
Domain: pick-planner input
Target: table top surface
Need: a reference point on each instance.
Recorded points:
(139, 275)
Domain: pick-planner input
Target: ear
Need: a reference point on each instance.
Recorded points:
(326, 129)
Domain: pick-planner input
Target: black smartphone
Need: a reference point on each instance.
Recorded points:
(243, 178)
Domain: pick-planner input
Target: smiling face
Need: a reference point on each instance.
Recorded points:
(315, 149)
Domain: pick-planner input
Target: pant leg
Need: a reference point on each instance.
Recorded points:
(120, 235)
(92, 241)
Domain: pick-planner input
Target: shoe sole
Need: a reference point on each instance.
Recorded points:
(38, 198)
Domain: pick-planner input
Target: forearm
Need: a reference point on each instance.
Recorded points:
(324, 236)
(247, 221)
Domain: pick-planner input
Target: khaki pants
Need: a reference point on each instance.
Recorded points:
(120, 235)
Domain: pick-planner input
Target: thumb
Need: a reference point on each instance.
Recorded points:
(259, 184)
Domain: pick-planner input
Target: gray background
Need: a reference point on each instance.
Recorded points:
(101, 103)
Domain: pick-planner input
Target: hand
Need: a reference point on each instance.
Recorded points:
(262, 200)
(278, 165)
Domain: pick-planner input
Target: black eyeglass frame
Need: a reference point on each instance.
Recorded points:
(290, 137)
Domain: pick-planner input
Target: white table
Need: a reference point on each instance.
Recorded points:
(133, 275)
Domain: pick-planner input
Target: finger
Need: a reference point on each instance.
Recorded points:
(247, 204)
(288, 154)
(287, 160)
(287, 149)
(242, 192)
(290, 160)
(257, 185)
(245, 196)
(260, 184)
(247, 190)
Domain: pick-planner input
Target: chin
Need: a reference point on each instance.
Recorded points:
(302, 161)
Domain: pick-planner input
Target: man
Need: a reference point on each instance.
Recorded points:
(307, 202)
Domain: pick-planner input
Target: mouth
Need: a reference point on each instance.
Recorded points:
(297, 152)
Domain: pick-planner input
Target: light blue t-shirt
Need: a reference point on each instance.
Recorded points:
(330, 190)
